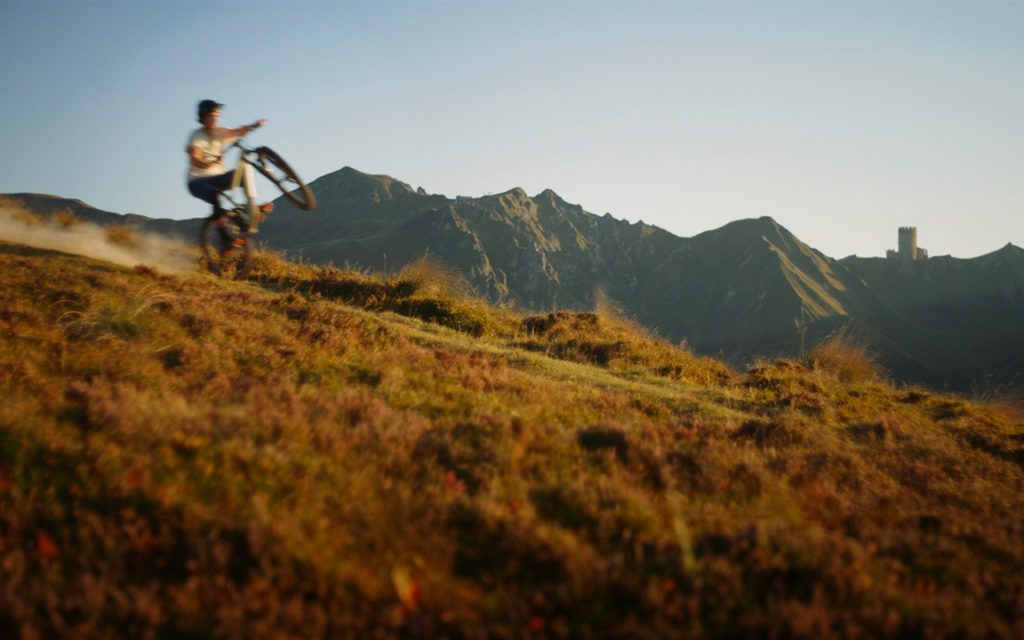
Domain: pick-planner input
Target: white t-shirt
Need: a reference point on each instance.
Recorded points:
(211, 148)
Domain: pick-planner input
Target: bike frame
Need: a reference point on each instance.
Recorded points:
(243, 177)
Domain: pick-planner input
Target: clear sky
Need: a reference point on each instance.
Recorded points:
(842, 120)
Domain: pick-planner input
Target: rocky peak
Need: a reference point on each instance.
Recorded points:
(351, 185)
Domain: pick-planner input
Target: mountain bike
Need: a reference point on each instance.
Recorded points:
(226, 239)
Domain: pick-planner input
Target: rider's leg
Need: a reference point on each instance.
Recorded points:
(208, 189)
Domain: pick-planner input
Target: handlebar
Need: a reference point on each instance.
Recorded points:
(238, 140)
(238, 143)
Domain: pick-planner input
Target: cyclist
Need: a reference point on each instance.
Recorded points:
(207, 177)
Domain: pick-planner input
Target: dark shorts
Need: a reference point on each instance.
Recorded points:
(206, 189)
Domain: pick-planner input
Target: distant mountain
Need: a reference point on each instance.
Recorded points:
(539, 252)
(749, 289)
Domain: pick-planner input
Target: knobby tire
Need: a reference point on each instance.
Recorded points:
(275, 169)
(235, 264)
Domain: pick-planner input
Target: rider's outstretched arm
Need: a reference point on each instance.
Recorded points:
(241, 131)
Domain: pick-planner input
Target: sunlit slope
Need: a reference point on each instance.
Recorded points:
(318, 453)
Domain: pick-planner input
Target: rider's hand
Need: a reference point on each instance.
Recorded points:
(257, 124)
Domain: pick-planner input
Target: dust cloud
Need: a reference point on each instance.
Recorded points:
(120, 245)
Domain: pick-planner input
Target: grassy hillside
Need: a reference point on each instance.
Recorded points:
(319, 453)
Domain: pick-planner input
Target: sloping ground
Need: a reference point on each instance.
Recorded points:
(317, 453)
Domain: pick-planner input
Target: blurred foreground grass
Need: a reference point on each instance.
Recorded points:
(321, 453)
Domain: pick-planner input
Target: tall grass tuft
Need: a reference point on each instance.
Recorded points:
(428, 276)
(844, 358)
(1006, 399)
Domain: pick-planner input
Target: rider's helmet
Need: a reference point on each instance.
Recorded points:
(208, 106)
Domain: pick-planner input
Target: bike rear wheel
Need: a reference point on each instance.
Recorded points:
(281, 174)
(226, 247)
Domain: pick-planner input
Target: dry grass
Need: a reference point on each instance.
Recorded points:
(124, 235)
(844, 358)
(609, 341)
(320, 453)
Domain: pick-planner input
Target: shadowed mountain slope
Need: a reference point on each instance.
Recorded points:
(752, 278)
(958, 322)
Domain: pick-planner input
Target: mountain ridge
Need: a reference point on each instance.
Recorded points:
(748, 289)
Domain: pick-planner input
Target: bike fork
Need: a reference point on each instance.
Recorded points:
(243, 177)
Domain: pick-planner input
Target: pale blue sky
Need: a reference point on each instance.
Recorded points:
(842, 120)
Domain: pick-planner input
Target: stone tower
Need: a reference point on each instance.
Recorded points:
(908, 249)
(908, 243)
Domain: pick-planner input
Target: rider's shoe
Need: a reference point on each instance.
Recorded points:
(228, 246)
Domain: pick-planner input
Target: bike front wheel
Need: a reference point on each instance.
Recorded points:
(226, 247)
(281, 174)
